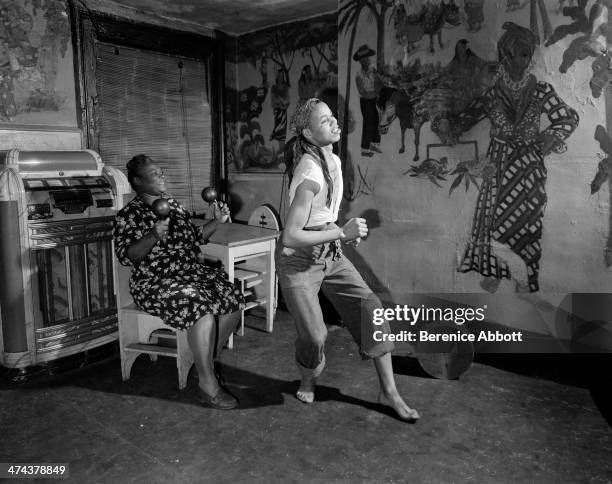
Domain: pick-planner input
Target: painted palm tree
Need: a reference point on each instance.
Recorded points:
(348, 19)
(533, 20)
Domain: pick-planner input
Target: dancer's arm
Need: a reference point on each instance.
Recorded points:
(295, 236)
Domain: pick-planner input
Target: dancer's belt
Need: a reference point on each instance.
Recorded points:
(334, 248)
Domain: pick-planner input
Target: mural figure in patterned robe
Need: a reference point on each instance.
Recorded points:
(507, 224)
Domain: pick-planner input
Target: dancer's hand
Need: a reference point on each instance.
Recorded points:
(355, 242)
(354, 229)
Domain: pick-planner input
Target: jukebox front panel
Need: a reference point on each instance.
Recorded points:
(60, 208)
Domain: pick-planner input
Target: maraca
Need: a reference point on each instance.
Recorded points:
(209, 194)
(161, 208)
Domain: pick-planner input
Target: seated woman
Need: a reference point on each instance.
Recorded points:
(167, 278)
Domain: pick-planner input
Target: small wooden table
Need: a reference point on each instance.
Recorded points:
(232, 243)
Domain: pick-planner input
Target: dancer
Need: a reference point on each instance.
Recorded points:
(309, 257)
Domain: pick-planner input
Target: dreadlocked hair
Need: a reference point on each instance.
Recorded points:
(298, 146)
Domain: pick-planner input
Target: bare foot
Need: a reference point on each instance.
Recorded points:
(396, 402)
(305, 393)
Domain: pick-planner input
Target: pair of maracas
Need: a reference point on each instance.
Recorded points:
(161, 207)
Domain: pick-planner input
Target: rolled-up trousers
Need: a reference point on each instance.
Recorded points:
(303, 272)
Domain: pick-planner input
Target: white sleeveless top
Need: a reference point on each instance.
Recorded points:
(310, 169)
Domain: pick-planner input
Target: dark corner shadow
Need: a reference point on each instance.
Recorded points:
(589, 371)
(578, 370)
(602, 397)
(408, 366)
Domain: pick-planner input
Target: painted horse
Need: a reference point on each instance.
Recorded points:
(428, 21)
(395, 103)
(436, 105)
(436, 100)
(434, 16)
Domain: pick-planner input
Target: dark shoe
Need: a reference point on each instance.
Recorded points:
(220, 379)
(219, 376)
(222, 400)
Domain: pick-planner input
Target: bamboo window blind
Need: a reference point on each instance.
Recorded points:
(156, 104)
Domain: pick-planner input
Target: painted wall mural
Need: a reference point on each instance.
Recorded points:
(490, 168)
(269, 71)
(36, 64)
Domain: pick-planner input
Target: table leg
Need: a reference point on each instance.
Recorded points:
(270, 283)
(229, 265)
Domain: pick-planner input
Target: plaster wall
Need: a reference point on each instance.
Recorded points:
(424, 230)
(40, 140)
(420, 231)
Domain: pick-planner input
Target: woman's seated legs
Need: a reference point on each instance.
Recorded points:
(201, 337)
(227, 325)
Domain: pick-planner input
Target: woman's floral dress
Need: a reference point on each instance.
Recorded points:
(170, 282)
(512, 197)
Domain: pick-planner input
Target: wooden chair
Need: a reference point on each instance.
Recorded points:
(142, 333)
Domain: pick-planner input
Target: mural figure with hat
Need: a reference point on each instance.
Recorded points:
(368, 86)
(507, 223)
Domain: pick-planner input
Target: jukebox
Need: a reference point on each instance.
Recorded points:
(57, 294)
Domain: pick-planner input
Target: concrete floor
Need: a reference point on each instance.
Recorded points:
(507, 419)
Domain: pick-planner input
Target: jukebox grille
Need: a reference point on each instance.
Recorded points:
(75, 281)
(51, 234)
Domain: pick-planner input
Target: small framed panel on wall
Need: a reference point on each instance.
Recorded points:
(37, 85)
